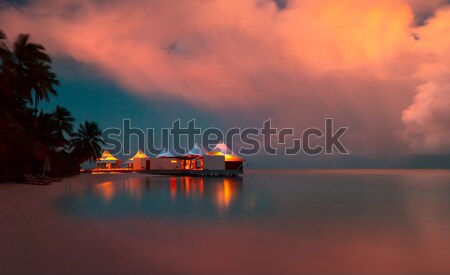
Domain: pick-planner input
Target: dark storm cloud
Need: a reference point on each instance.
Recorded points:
(281, 4)
(16, 2)
(425, 10)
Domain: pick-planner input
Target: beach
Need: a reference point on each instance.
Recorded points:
(320, 222)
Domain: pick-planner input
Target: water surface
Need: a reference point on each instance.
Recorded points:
(286, 221)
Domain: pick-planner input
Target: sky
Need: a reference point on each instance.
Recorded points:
(379, 67)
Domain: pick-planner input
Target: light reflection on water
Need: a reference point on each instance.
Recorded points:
(282, 200)
(284, 221)
(187, 197)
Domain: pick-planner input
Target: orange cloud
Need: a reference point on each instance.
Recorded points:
(427, 119)
(359, 61)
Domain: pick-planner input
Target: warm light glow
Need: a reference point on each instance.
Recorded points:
(107, 156)
(106, 190)
(173, 161)
(190, 186)
(202, 187)
(222, 149)
(134, 187)
(173, 187)
(227, 157)
(187, 186)
(225, 194)
(140, 155)
(232, 158)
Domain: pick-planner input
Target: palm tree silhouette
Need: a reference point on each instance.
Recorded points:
(28, 137)
(86, 142)
(32, 67)
(64, 121)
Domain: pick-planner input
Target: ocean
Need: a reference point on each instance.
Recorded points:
(264, 222)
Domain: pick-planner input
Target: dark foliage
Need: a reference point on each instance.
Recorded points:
(29, 137)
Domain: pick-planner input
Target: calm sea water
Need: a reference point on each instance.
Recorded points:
(265, 222)
(287, 221)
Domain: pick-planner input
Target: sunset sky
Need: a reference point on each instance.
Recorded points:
(380, 67)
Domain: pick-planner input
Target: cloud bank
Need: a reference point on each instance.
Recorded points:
(378, 66)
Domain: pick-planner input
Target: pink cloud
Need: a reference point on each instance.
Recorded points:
(357, 61)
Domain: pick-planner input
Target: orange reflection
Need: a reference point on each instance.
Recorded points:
(187, 186)
(222, 190)
(173, 187)
(106, 190)
(133, 187)
(202, 187)
(226, 192)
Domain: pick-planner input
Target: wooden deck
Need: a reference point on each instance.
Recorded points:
(102, 171)
(195, 173)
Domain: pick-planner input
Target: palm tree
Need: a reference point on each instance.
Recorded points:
(6, 72)
(86, 142)
(46, 131)
(28, 137)
(33, 71)
(11, 131)
(64, 120)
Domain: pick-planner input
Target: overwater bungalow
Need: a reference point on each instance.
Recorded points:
(219, 161)
(107, 161)
(231, 160)
(138, 161)
(198, 161)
